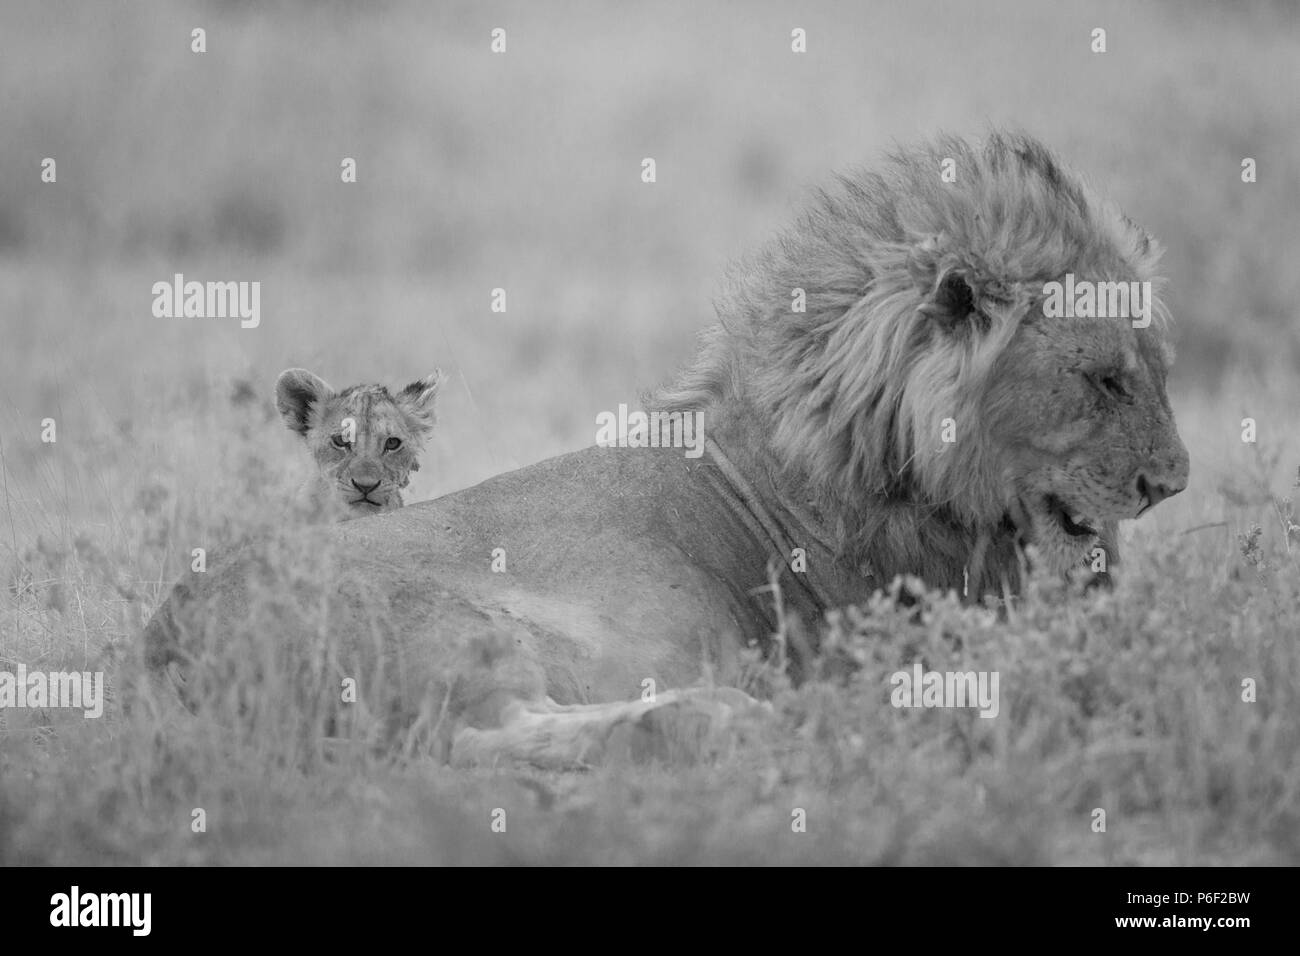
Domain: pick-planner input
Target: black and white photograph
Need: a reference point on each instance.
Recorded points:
(663, 434)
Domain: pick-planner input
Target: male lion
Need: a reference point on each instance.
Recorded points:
(364, 440)
(920, 414)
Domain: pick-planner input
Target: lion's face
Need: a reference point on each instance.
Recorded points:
(1078, 411)
(365, 440)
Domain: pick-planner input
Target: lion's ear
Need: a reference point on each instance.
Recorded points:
(951, 302)
(296, 390)
(948, 294)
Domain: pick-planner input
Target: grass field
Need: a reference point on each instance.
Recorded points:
(522, 172)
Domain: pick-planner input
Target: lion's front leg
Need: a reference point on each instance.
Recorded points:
(688, 724)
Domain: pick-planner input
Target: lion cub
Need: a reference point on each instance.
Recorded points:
(366, 441)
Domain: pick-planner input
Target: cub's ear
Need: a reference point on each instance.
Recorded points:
(296, 391)
(417, 399)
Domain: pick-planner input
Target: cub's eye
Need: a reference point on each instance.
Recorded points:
(1112, 387)
(392, 444)
(339, 442)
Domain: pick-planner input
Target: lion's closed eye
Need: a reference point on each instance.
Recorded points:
(1111, 385)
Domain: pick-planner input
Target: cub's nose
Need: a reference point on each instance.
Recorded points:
(364, 488)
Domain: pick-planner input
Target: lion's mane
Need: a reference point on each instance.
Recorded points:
(853, 391)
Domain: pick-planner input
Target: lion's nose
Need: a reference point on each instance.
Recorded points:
(364, 488)
(1152, 492)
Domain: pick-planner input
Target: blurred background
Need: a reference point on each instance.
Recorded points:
(522, 171)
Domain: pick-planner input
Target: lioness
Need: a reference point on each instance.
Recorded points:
(885, 392)
(364, 440)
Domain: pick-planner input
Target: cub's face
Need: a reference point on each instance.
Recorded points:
(365, 440)
(1079, 410)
